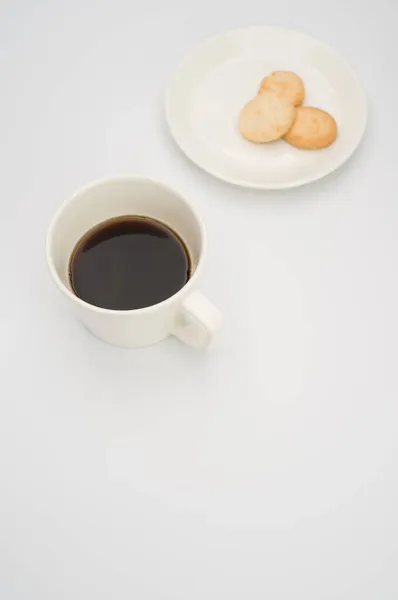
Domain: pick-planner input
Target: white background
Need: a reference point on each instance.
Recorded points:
(265, 469)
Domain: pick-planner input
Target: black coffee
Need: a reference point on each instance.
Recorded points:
(127, 263)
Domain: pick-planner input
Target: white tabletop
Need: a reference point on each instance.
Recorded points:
(266, 468)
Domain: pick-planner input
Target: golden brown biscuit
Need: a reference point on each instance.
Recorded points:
(286, 85)
(266, 118)
(313, 129)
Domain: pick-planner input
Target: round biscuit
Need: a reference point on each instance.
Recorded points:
(313, 129)
(286, 85)
(266, 118)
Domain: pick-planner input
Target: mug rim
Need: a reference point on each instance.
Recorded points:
(129, 179)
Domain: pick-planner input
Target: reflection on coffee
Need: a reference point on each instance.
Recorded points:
(129, 262)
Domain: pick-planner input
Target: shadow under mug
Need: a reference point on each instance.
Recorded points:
(188, 314)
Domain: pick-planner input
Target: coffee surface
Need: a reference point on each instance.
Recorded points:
(128, 263)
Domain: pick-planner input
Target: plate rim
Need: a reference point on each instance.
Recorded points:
(243, 182)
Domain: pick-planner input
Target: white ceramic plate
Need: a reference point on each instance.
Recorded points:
(211, 85)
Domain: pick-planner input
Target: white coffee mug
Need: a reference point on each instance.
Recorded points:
(188, 315)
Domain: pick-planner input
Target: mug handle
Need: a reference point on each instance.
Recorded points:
(197, 321)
